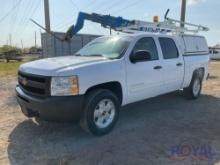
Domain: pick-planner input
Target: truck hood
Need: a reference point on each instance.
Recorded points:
(51, 66)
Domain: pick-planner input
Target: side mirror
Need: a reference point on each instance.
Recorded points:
(140, 56)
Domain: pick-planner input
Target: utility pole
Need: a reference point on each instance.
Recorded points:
(10, 39)
(183, 13)
(47, 15)
(22, 46)
(35, 39)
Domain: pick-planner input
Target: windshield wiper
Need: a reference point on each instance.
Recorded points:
(96, 55)
(77, 55)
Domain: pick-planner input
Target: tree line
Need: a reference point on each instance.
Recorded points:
(5, 49)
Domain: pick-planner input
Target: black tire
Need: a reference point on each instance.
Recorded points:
(93, 98)
(189, 92)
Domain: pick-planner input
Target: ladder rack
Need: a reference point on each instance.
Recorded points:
(134, 26)
(169, 25)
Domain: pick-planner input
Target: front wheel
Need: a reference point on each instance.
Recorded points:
(194, 90)
(101, 112)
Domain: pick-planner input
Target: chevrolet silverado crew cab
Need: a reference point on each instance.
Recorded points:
(109, 72)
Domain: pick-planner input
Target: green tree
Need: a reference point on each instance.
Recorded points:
(7, 48)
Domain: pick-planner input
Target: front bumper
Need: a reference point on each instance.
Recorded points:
(62, 108)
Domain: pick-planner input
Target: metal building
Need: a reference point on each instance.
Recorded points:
(53, 47)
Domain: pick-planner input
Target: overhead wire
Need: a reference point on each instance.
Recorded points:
(27, 22)
(70, 20)
(127, 6)
(98, 6)
(110, 6)
(26, 12)
(60, 24)
(92, 3)
(14, 18)
(76, 6)
(97, 29)
(10, 11)
(115, 10)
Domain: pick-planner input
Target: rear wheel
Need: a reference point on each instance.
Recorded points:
(101, 112)
(194, 90)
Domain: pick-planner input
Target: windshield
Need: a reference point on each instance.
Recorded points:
(108, 47)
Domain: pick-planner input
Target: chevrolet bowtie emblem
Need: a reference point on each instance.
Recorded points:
(24, 81)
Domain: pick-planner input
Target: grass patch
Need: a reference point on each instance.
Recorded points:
(10, 68)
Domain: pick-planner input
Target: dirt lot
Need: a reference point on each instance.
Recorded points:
(147, 132)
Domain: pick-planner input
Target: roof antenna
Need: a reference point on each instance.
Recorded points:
(166, 14)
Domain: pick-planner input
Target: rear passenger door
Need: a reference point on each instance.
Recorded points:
(173, 66)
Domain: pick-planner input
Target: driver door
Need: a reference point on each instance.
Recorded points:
(144, 78)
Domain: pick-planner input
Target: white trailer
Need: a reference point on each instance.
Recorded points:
(215, 53)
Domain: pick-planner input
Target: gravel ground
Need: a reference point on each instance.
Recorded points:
(148, 132)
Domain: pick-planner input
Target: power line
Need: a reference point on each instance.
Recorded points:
(98, 6)
(27, 10)
(111, 5)
(69, 20)
(10, 11)
(77, 7)
(92, 3)
(24, 17)
(14, 18)
(31, 15)
(74, 4)
(61, 25)
(127, 6)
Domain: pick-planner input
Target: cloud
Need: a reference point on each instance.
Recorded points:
(195, 2)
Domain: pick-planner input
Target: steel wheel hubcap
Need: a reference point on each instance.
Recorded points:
(104, 113)
(196, 87)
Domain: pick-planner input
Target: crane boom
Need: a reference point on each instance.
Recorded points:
(131, 26)
(106, 21)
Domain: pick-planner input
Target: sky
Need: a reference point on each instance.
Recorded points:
(15, 16)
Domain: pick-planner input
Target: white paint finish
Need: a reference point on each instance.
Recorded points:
(52, 66)
(173, 75)
(191, 64)
(143, 81)
(107, 71)
(195, 44)
(139, 81)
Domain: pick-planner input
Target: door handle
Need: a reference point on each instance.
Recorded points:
(179, 64)
(157, 67)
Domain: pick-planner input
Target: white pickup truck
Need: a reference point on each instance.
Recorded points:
(110, 72)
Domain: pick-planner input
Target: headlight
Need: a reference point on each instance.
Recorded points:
(64, 86)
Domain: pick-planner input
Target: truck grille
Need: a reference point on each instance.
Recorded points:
(34, 84)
